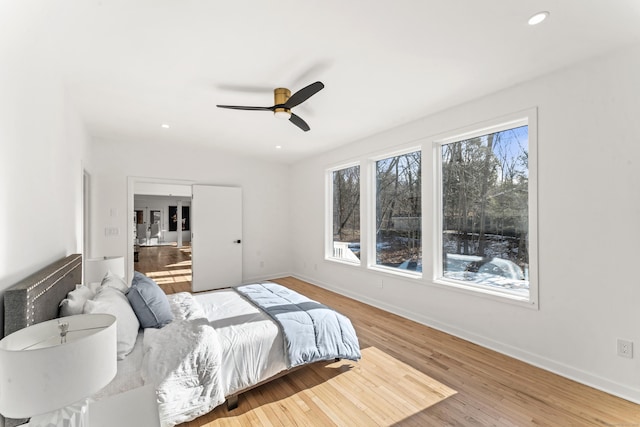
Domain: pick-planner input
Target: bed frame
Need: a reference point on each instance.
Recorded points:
(232, 399)
(36, 298)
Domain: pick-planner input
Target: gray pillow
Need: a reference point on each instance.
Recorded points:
(149, 302)
(137, 276)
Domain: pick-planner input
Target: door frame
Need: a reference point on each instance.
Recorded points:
(86, 214)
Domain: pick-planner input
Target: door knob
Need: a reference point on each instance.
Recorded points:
(237, 241)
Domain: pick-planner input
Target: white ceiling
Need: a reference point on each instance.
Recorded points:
(131, 65)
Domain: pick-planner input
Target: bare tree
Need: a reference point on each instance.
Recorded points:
(398, 208)
(485, 195)
(346, 204)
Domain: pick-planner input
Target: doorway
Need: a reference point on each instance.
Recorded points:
(218, 258)
(148, 201)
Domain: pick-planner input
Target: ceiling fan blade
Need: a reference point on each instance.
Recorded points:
(240, 107)
(303, 94)
(296, 120)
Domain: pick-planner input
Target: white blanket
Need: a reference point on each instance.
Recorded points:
(182, 361)
(217, 345)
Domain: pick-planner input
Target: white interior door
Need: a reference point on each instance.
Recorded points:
(216, 244)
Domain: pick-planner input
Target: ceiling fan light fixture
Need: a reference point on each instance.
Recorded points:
(282, 113)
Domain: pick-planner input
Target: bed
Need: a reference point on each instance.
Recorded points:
(217, 345)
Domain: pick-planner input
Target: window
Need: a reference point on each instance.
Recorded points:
(345, 214)
(173, 218)
(485, 225)
(399, 212)
(481, 213)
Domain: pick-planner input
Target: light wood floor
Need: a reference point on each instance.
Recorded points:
(169, 266)
(491, 389)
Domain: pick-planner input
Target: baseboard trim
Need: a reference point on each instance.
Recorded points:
(267, 277)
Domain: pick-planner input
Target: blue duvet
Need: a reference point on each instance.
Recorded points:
(312, 331)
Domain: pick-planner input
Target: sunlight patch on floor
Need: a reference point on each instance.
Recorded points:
(385, 389)
(179, 264)
(170, 276)
(379, 390)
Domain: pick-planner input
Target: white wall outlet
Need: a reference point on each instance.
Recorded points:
(625, 348)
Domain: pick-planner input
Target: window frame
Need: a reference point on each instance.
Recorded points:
(328, 239)
(528, 118)
(371, 212)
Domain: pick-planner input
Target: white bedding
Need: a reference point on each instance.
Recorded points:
(182, 362)
(251, 342)
(217, 345)
(128, 376)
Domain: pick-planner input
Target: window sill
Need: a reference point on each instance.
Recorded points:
(343, 261)
(395, 272)
(486, 293)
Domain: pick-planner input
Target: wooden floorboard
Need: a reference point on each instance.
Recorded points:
(491, 389)
(169, 266)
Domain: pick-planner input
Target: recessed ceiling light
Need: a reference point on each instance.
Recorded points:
(278, 147)
(538, 18)
(165, 126)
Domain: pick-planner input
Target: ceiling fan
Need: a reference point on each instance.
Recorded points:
(284, 102)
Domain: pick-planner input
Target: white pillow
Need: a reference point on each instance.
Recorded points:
(70, 308)
(112, 301)
(110, 280)
(75, 300)
(94, 286)
(81, 292)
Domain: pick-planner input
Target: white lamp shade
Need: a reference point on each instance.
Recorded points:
(96, 268)
(38, 374)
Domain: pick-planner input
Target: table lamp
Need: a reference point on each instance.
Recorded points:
(48, 366)
(96, 268)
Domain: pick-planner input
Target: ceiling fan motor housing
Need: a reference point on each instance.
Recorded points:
(280, 96)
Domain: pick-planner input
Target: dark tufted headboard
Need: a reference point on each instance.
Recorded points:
(36, 298)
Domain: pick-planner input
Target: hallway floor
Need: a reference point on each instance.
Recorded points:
(169, 266)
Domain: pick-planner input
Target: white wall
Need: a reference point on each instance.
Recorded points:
(265, 189)
(589, 209)
(42, 143)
